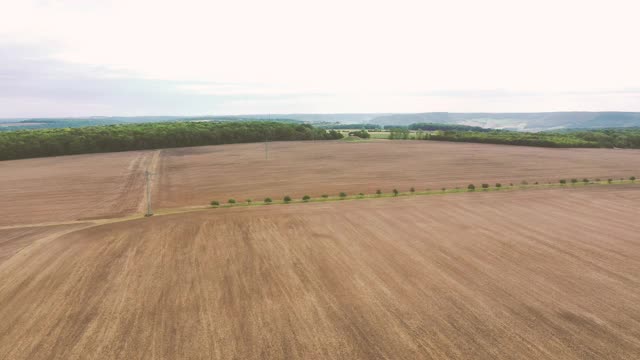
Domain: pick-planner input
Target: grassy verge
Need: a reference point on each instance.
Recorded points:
(443, 191)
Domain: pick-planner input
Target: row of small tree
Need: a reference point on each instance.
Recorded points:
(471, 187)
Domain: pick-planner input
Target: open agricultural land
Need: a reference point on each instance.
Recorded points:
(78, 187)
(545, 274)
(111, 185)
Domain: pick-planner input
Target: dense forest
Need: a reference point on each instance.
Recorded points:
(60, 123)
(95, 139)
(607, 138)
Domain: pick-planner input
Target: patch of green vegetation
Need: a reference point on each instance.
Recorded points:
(443, 191)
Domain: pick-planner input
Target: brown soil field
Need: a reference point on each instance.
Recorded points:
(540, 274)
(195, 176)
(14, 240)
(50, 190)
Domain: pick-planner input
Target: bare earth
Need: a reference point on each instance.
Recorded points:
(540, 274)
(73, 187)
(51, 190)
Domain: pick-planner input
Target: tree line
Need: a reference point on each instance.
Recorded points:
(628, 138)
(97, 139)
(610, 138)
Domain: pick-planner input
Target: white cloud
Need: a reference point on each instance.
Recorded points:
(352, 55)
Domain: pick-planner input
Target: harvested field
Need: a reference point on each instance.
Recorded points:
(112, 185)
(195, 176)
(542, 274)
(49, 190)
(14, 240)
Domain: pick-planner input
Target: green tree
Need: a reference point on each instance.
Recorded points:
(343, 195)
(563, 181)
(485, 186)
(395, 192)
(498, 185)
(574, 180)
(287, 199)
(363, 134)
(306, 198)
(325, 196)
(471, 187)
(267, 201)
(231, 201)
(632, 178)
(378, 192)
(412, 190)
(215, 203)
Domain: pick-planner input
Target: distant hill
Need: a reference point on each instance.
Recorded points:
(541, 121)
(519, 121)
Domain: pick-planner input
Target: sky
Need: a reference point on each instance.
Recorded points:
(191, 57)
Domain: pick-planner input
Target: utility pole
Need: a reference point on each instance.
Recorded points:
(266, 143)
(147, 175)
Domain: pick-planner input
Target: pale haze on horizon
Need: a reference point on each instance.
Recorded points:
(84, 58)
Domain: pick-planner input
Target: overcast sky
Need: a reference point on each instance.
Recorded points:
(188, 57)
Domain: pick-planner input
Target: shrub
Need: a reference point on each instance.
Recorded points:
(485, 186)
(535, 183)
(563, 181)
(378, 192)
(443, 189)
(633, 178)
(215, 203)
(231, 201)
(471, 187)
(287, 199)
(610, 181)
(573, 181)
(363, 134)
(395, 192)
(325, 196)
(524, 182)
(267, 201)
(343, 195)
(597, 180)
(306, 198)
(498, 185)
(413, 190)
(585, 180)
(248, 201)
